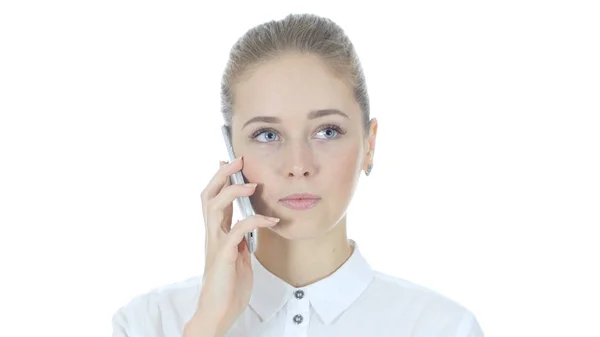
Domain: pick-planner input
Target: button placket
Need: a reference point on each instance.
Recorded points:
(298, 319)
(298, 313)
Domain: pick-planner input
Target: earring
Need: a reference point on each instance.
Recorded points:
(369, 168)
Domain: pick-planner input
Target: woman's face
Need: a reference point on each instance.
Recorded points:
(300, 130)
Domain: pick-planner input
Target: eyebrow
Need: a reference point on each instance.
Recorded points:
(311, 115)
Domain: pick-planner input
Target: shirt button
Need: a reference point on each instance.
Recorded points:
(299, 294)
(298, 319)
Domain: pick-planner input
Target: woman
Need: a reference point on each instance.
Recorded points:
(295, 100)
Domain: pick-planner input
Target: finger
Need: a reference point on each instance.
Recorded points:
(219, 206)
(242, 246)
(243, 252)
(227, 181)
(236, 235)
(204, 198)
(228, 195)
(219, 180)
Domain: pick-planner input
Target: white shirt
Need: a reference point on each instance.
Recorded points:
(354, 301)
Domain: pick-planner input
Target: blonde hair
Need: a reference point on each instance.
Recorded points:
(303, 33)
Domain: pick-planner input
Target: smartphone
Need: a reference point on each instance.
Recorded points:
(243, 203)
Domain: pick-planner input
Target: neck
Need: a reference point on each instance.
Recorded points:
(302, 262)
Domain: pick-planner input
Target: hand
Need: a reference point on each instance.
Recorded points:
(228, 278)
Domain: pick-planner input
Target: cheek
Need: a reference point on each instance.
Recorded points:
(252, 169)
(341, 168)
(255, 172)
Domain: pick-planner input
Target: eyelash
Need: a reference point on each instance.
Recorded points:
(321, 128)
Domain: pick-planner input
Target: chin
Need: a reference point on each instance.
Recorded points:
(295, 230)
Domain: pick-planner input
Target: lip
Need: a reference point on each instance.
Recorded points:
(300, 201)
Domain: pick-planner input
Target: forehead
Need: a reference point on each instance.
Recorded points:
(291, 86)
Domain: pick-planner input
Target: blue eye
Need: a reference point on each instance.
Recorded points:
(265, 136)
(330, 132)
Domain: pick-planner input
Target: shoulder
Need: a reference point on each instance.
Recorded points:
(393, 286)
(432, 312)
(150, 312)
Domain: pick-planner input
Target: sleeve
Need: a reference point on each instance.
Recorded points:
(120, 324)
(132, 320)
(469, 326)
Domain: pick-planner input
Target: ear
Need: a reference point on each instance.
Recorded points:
(371, 137)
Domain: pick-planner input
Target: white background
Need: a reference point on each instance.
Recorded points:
(486, 179)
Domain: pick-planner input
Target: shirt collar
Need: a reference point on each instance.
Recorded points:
(329, 297)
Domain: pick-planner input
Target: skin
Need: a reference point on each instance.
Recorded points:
(299, 154)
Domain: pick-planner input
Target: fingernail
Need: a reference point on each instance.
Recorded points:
(272, 219)
(233, 161)
(251, 185)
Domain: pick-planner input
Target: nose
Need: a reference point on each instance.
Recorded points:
(298, 171)
(300, 161)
